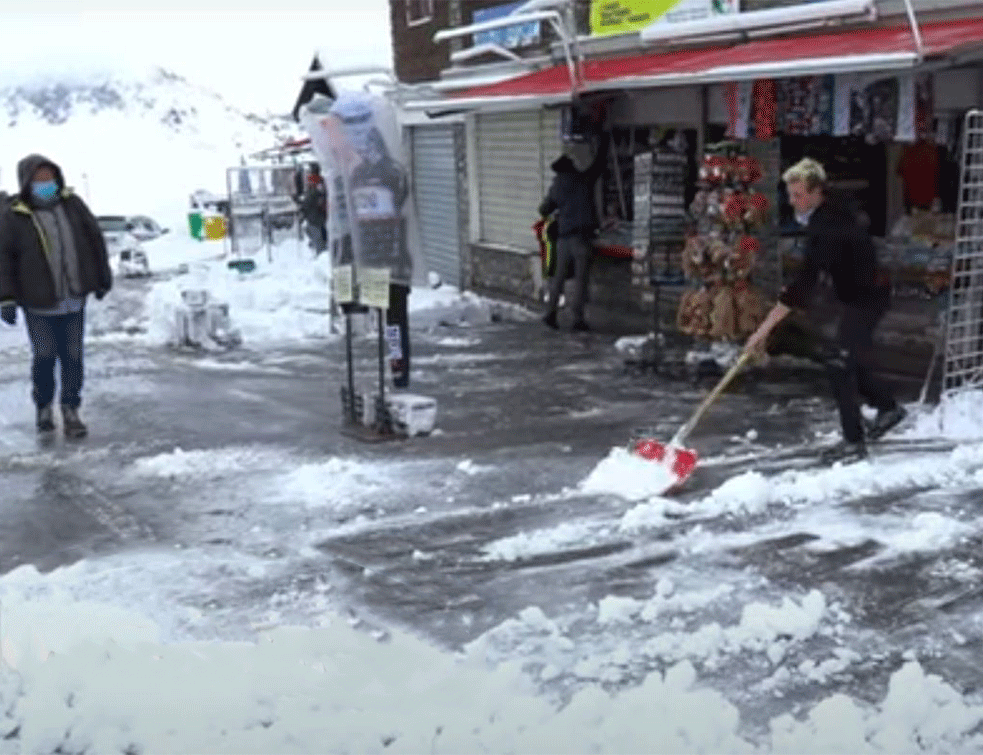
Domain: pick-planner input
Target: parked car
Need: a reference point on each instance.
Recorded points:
(126, 253)
(144, 228)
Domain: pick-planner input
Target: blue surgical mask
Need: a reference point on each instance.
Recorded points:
(44, 190)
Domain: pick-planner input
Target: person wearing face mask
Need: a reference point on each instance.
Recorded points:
(837, 244)
(52, 256)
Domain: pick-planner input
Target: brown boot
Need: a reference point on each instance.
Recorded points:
(74, 427)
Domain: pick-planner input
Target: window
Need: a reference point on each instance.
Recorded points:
(418, 11)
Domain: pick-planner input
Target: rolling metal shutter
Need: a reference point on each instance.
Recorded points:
(551, 144)
(435, 190)
(510, 177)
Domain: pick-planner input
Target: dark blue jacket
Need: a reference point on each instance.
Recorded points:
(572, 194)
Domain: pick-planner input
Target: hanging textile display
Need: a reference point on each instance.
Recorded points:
(806, 105)
(719, 257)
(866, 107)
(764, 95)
(738, 95)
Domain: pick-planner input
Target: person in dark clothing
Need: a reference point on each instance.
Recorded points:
(571, 196)
(837, 244)
(314, 206)
(52, 256)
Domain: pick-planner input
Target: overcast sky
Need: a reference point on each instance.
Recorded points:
(256, 59)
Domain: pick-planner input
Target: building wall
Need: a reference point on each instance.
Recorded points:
(416, 57)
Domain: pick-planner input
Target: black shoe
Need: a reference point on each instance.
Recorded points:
(885, 421)
(581, 326)
(550, 320)
(74, 427)
(45, 419)
(844, 451)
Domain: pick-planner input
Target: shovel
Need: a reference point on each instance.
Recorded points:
(679, 461)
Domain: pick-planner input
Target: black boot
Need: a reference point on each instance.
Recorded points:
(885, 421)
(550, 320)
(74, 427)
(845, 451)
(45, 419)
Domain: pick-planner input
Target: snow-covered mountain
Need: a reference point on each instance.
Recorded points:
(133, 141)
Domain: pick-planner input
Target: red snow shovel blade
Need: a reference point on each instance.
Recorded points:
(679, 461)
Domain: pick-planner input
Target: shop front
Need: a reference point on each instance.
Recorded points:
(438, 180)
(891, 149)
(511, 152)
(884, 120)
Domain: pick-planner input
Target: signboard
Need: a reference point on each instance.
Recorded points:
(625, 16)
(359, 144)
(374, 287)
(509, 37)
(342, 278)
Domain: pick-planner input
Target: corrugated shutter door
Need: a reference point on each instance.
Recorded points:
(435, 189)
(552, 144)
(510, 179)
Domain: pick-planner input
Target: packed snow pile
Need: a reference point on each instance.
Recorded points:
(958, 416)
(88, 676)
(628, 475)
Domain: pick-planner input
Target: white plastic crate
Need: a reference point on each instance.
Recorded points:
(412, 414)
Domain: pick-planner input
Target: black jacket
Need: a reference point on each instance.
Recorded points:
(572, 194)
(835, 243)
(25, 275)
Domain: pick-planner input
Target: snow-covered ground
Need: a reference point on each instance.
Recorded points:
(171, 647)
(101, 656)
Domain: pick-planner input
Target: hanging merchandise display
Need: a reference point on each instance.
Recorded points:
(720, 255)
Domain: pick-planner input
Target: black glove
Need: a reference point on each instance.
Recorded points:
(8, 313)
(101, 293)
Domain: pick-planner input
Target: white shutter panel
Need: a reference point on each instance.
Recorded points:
(510, 177)
(435, 190)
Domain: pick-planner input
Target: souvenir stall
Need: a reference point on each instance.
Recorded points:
(892, 156)
(724, 306)
(890, 147)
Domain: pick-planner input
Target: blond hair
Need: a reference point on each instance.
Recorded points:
(808, 172)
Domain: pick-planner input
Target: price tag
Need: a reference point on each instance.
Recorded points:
(374, 286)
(343, 292)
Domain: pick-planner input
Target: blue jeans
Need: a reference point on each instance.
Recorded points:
(56, 337)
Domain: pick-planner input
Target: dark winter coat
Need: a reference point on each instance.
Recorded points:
(836, 244)
(571, 195)
(315, 203)
(25, 274)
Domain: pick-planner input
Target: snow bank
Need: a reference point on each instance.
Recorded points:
(288, 295)
(87, 676)
(959, 416)
(751, 492)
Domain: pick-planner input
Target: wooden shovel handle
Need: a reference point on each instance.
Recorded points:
(686, 429)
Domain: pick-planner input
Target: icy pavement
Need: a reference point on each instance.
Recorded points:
(490, 587)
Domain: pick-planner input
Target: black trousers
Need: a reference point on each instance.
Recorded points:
(398, 332)
(849, 364)
(847, 356)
